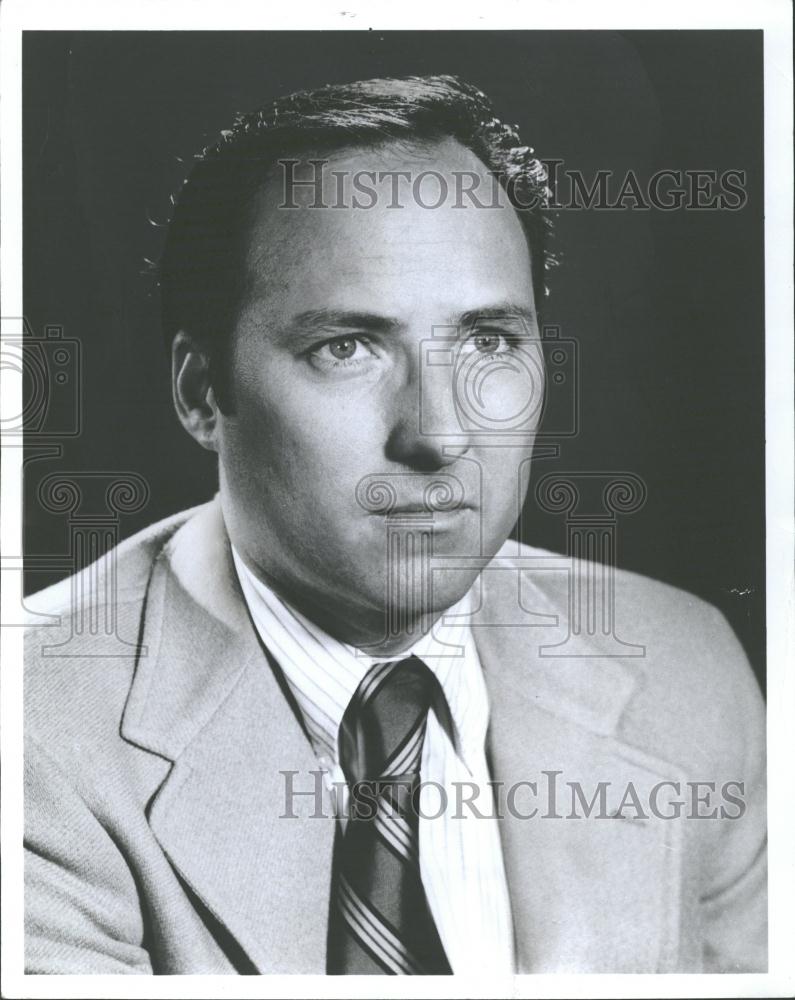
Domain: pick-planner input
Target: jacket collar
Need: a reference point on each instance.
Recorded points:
(196, 634)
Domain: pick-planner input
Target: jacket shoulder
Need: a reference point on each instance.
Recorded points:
(656, 611)
(130, 561)
(82, 641)
(694, 696)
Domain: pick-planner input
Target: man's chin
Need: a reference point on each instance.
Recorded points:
(424, 573)
(417, 595)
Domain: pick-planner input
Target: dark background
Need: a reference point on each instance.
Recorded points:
(667, 307)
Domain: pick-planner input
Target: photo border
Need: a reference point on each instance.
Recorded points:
(774, 18)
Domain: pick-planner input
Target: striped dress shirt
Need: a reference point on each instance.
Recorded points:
(461, 862)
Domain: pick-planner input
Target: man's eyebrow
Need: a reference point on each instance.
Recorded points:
(501, 311)
(315, 319)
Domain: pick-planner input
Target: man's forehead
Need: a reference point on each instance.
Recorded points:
(398, 205)
(393, 176)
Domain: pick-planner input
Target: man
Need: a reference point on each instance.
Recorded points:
(356, 736)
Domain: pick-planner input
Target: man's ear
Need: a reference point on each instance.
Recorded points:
(194, 399)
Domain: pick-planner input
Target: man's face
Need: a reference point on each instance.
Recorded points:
(379, 346)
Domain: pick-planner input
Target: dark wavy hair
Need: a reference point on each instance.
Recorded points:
(200, 273)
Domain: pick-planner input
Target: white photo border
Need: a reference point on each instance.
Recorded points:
(774, 18)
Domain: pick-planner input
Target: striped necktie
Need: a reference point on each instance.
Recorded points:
(380, 921)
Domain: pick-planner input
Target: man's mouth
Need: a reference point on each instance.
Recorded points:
(426, 508)
(403, 495)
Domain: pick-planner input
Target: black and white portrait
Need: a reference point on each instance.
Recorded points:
(392, 480)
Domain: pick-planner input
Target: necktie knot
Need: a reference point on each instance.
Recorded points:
(383, 728)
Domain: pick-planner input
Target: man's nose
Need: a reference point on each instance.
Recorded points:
(426, 433)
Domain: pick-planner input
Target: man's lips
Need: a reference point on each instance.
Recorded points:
(425, 508)
(411, 494)
(421, 509)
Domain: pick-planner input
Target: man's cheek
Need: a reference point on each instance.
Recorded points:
(504, 488)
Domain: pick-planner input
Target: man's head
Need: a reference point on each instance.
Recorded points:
(355, 334)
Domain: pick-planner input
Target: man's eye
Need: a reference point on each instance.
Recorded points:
(341, 350)
(489, 343)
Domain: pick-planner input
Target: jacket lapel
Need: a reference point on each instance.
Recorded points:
(206, 698)
(587, 894)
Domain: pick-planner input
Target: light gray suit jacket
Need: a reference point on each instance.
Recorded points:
(154, 791)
